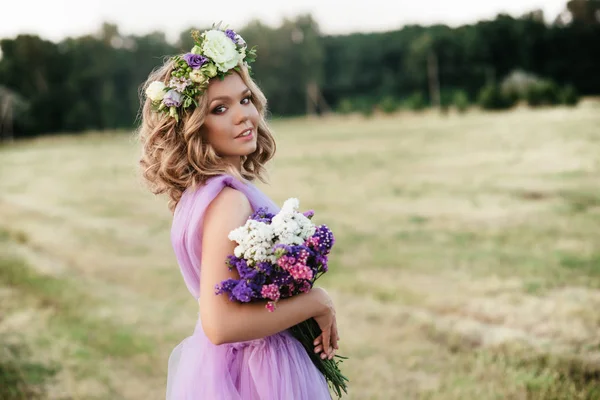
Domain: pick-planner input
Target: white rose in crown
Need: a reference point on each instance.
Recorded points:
(156, 91)
(221, 49)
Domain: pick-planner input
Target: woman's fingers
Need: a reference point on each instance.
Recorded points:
(329, 351)
(334, 340)
(332, 354)
(317, 344)
(326, 341)
(334, 334)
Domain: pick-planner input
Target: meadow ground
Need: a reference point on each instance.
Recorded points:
(467, 262)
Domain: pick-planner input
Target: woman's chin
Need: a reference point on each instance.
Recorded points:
(251, 149)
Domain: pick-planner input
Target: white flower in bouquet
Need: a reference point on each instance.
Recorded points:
(291, 226)
(255, 241)
(291, 205)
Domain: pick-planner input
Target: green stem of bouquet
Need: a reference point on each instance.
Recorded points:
(306, 332)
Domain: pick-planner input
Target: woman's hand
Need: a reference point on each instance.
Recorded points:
(327, 342)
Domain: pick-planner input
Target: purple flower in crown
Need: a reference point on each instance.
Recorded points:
(195, 60)
(172, 99)
(230, 33)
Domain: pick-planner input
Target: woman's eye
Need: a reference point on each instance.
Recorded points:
(221, 109)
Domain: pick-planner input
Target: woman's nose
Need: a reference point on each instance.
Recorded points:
(242, 113)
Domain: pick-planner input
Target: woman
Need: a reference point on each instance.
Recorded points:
(204, 140)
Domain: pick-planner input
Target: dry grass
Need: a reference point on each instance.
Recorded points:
(467, 263)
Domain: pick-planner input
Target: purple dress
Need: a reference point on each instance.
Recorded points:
(272, 368)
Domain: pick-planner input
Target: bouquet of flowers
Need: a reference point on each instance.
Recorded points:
(279, 256)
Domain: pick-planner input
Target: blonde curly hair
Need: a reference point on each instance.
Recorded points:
(176, 156)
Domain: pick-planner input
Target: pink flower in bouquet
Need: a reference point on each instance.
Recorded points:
(300, 272)
(270, 292)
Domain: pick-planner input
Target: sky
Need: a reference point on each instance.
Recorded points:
(55, 20)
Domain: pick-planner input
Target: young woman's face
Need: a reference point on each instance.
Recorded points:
(231, 124)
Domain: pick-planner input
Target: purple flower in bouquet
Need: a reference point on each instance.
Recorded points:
(243, 292)
(266, 268)
(262, 215)
(322, 241)
(242, 268)
(282, 279)
(309, 214)
(322, 261)
(227, 287)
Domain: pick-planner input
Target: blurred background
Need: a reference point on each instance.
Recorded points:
(452, 147)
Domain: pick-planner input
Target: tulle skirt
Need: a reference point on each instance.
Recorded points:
(273, 368)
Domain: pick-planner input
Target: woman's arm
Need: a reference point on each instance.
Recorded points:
(225, 321)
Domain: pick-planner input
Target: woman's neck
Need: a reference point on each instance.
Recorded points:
(235, 162)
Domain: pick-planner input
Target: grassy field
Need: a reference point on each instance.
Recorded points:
(467, 262)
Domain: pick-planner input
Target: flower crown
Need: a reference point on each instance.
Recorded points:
(215, 54)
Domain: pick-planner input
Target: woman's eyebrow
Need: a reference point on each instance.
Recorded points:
(244, 92)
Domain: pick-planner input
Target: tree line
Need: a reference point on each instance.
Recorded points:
(92, 82)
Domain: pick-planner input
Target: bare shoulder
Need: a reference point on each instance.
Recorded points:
(231, 208)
